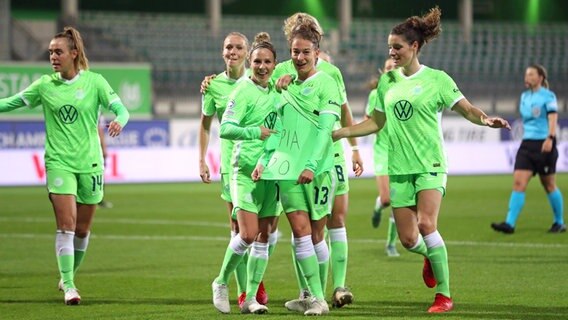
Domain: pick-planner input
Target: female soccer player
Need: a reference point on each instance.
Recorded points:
(73, 158)
(381, 171)
(538, 152)
(303, 161)
(216, 91)
(411, 98)
(248, 121)
(336, 224)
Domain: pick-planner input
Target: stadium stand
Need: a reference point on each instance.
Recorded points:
(489, 69)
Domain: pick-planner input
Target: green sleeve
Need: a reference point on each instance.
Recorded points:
(341, 85)
(232, 131)
(281, 69)
(11, 103)
(122, 114)
(107, 96)
(323, 138)
(32, 94)
(329, 100)
(232, 124)
(371, 102)
(208, 104)
(382, 87)
(449, 91)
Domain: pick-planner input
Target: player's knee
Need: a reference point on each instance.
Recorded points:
(262, 237)
(407, 241)
(318, 234)
(426, 226)
(81, 233)
(248, 236)
(549, 187)
(301, 230)
(519, 185)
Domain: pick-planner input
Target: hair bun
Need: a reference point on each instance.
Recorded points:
(261, 37)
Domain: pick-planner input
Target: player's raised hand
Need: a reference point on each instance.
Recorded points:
(283, 82)
(205, 83)
(114, 129)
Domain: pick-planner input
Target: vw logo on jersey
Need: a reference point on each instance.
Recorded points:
(270, 120)
(403, 110)
(68, 114)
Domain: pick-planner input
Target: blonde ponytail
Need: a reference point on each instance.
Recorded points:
(75, 42)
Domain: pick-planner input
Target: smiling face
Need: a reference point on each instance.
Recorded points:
(234, 52)
(304, 55)
(262, 63)
(62, 58)
(400, 51)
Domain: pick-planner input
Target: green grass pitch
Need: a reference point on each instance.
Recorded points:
(154, 255)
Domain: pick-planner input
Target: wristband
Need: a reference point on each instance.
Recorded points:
(355, 148)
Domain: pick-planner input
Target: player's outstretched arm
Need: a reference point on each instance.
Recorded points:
(477, 116)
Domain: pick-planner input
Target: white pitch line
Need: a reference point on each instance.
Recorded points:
(226, 239)
(126, 221)
(116, 237)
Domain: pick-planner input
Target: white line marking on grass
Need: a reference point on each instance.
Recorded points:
(225, 239)
(126, 221)
(484, 244)
(116, 237)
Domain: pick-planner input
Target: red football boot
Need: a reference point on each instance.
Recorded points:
(428, 274)
(241, 300)
(261, 295)
(441, 304)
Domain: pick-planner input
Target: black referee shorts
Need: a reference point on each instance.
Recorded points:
(531, 157)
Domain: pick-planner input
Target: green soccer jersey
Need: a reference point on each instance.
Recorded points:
(300, 108)
(71, 109)
(214, 101)
(371, 103)
(380, 137)
(413, 108)
(249, 107)
(334, 72)
(287, 67)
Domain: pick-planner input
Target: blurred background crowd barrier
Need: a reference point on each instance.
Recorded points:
(155, 55)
